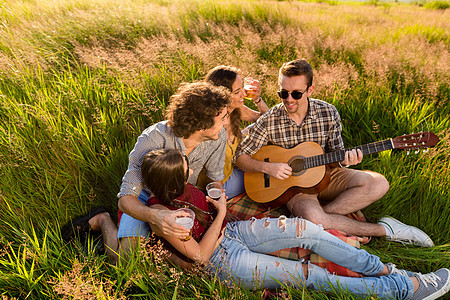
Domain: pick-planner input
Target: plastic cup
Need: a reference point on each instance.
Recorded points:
(185, 217)
(248, 88)
(214, 190)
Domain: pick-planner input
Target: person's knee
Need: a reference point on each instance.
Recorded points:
(104, 217)
(98, 221)
(301, 202)
(382, 184)
(374, 184)
(317, 218)
(310, 211)
(377, 185)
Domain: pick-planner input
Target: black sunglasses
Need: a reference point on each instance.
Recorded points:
(283, 94)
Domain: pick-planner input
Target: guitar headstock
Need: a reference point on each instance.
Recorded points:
(415, 140)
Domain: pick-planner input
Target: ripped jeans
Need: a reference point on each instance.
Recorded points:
(242, 258)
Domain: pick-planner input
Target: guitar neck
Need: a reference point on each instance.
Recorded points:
(332, 157)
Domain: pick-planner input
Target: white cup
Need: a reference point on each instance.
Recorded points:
(214, 190)
(185, 217)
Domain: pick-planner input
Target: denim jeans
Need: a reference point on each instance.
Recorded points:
(235, 184)
(242, 258)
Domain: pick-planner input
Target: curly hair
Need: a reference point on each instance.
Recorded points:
(297, 67)
(194, 106)
(225, 76)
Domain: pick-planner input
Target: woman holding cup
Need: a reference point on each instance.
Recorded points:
(165, 172)
(247, 88)
(214, 190)
(237, 251)
(185, 217)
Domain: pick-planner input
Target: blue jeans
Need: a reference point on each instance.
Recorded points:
(131, 227)
(235, 184)
(242, 258)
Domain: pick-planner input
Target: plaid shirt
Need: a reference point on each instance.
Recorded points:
(321, 125)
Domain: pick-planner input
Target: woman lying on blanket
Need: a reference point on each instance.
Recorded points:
(228, 77)
(236, 251)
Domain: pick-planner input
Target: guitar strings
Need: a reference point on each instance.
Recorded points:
(323, 159)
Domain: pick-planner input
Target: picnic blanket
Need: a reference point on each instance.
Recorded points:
(244, 208)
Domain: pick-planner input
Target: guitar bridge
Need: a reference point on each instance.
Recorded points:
(266, 176)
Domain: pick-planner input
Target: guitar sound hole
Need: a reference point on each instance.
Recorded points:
(297, 165)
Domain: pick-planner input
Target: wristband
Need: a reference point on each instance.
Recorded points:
(259, 100)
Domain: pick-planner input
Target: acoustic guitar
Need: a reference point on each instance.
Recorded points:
(310, 166)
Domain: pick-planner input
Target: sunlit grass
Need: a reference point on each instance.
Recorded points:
(79, 81)
(442, 5)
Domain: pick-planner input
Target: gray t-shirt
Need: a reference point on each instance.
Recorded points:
(210, 154)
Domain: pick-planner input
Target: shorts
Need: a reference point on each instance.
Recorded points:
(131, 227)
(339, 180)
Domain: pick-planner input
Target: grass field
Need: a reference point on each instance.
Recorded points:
(80, 80)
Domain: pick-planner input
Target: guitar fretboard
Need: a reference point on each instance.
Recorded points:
(328, 158)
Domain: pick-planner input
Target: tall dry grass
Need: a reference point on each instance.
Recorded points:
(79, 81)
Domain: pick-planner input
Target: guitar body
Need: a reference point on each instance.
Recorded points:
(312, 176)
(263, 188)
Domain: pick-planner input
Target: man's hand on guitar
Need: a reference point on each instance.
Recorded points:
(352, 157)
(279, 170)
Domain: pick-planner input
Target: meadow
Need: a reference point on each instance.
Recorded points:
(81, 79)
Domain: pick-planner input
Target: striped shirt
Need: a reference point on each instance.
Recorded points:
(321, 125)
(209, 154)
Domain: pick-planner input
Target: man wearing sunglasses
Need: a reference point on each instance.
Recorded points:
(300, 118)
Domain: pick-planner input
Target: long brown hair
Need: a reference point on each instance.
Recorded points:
(163, 173)
(225, 76)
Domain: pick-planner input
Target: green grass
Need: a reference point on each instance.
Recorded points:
(443, 5)
(80, 80)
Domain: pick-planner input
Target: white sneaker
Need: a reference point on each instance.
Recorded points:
(432, 285)
(393, 270)
(405, 234)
